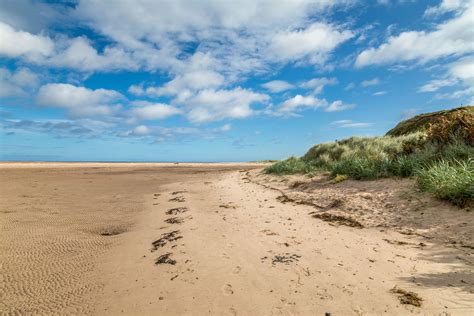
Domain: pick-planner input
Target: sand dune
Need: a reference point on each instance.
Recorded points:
(220, 239)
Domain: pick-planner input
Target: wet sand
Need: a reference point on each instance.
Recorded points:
(198, 239)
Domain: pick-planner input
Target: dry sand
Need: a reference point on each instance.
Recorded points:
(196, 239)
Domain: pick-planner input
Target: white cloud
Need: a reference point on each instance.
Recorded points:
(459, 73)
(278, 86)
(141, 130)
(447, 6)
(144, 110)
(300, 102)
(369, 83)
(17, 83)
(338, 106)
(76, 53)
(318, 84)
(225, 127)
(23, 44)
(351, 124)
(463, 69)
(314, 42)
(211, 105)
(184, 85)
(79, 101)
(379, 93)
(451, 38)
(79, 54)
(436, 84)
(350, 86)
(243, 37)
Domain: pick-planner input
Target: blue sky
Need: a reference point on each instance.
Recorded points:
(209, 80)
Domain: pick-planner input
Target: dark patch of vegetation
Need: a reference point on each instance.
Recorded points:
(338, 219)
(435, 148)
(407, 297)
(422, 122)
(165, 259)
(166, 238)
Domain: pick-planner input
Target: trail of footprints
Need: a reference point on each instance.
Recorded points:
(170, 238)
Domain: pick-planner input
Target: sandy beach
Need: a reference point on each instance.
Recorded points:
(225, 239)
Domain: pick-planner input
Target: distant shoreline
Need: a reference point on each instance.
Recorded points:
(62, 164)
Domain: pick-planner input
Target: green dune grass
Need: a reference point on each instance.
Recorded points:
(438, 154)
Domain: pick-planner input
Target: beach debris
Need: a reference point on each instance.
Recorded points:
(227, 206)
(165, 259)
(179, 198)
(335, 203)
(174, 220)
(112, 231)
(166, 238)
(338, 219)
(297, 184)
(396, 242)
(268, 232)
(176, 210)
(407, 297)
(286, 258)
(178, 192)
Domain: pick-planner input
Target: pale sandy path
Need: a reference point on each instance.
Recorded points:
(231, 233)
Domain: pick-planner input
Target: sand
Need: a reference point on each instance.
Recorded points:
(198, 239)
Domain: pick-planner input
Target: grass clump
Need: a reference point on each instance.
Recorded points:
(340, 178)
(450, 180)
(291, 165)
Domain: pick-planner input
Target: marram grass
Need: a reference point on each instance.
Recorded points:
(450, 180)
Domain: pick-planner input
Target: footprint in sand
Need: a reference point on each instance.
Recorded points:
(236, 270)
(225, 256)
(227, 290)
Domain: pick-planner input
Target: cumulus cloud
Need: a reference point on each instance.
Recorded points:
(211, 105)
(447, 6)
(79, 101)
(76, 53)
(183, 86)
(277, 86)
(80, 54)
(15, 43)
(144, 110)
(300, 102)
(337, 106)
(313, 43)
(318, 84)
(451, 38)
(17, 83)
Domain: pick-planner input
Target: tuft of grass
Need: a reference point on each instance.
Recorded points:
(291, 165)
(450, 180)
(339, 178)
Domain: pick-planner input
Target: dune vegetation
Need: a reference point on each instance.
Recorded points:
(437, 149)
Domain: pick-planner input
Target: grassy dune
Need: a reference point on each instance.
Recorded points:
(435, 148)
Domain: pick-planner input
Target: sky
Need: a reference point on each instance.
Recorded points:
(210, 80)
